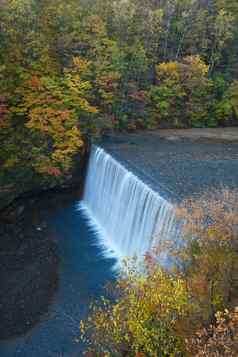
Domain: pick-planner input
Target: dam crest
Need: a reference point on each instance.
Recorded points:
(129, 217)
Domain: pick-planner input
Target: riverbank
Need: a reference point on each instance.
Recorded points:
(29, 264)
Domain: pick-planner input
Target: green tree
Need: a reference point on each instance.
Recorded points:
(181, 96)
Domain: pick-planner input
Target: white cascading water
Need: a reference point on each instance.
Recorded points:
(129, 217)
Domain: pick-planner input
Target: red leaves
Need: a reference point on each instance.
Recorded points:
(139, 95)
(55, 171)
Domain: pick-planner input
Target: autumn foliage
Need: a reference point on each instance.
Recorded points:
(210, 250)
(190, 311)
(219, 339)
(52, 108)
(144, 318)
(71, 71)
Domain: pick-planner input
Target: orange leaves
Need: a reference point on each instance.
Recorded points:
(48, 120)
(219, 339)
(209, 250)
(60, 126)
(53, 107)
(107, 84)
(35, 83)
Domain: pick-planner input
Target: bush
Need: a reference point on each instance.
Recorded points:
(209, 250)
(219, 339)
(144, 318)
(156, 313)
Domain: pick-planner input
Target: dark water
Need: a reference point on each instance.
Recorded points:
(83, 273)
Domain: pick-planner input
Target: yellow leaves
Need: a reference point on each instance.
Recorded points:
(142, 319)
(168, 68)
(66, 141)
(9, 163)
(182, 94)
(191, 67)
(81, 65)
(197, 64)
(74, 83)
(53, 106)
(95, 25)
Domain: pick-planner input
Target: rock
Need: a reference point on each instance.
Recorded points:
(28, 281)
(173, 138)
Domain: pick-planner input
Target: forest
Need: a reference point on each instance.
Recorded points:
(72, 70)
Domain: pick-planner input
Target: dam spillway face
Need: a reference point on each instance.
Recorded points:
(129, 217)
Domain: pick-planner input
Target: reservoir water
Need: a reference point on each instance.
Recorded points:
(83, 273)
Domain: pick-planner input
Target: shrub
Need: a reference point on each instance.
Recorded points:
(143, 319)
(209, 250)
(219, 339)
(156, 313)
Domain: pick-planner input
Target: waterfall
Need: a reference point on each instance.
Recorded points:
(129, 217)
